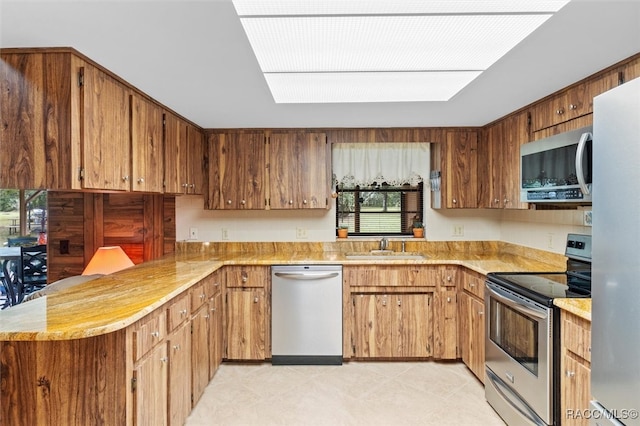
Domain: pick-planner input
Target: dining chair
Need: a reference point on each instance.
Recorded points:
(11, 283)
(34, 267)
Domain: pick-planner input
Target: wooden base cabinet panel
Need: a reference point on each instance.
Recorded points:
(179, 382)
(472, 330)
(69, 382)
(246, 324)
(392, 325)
(575, 377)
(150, 396)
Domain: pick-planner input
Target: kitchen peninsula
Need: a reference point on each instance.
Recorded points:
(100, 351)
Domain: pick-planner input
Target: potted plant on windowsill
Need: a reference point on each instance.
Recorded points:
(343, 231)
(418, 229)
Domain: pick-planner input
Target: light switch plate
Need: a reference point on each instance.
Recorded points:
(587, 218)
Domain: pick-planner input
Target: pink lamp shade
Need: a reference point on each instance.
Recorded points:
(108, 260)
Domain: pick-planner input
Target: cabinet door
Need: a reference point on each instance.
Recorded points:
(476, 323)
(195, 163)
(215, 334)
(372, 329)
(515, 133)
(489, 167)
(446, 325)
(179, 377)
(105, 131)
(246, 324)
(298, 171)
(575, 385)
(150, 396)
(146, 145)
(461, 170)
(236, 171)
(199, 352)
(175, 155)
(414, 325)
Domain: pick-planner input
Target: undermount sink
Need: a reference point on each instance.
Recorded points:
(384, 255)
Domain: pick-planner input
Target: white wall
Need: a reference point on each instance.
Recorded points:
(541, 229)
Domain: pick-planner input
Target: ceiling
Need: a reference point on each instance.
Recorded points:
(194, 57)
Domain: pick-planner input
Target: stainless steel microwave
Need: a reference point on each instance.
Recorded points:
(557, 169)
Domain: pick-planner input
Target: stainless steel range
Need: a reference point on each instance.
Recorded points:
(523, 336)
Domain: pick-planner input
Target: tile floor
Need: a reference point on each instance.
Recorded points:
(356, 393)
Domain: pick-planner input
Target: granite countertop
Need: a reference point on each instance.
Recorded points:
(116, 301)
(579, 307)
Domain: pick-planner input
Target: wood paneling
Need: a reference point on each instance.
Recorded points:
(142, 224)
(46, 382)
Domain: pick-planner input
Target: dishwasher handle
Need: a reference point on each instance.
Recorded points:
(306, 275)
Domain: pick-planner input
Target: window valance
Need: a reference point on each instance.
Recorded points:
(370, 164)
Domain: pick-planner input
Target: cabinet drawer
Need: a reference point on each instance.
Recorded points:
(473, 283)
(390, 276)
(449, 277)
(247, 276)
(148, 333)
(213, 284)
(198, 295)
(178, 312)
(576, 335)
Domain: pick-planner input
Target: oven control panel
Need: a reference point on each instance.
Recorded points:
(578, 246)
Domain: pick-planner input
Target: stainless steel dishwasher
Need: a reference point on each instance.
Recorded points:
(306, 314)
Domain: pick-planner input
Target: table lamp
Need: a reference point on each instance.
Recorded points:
(108, 260)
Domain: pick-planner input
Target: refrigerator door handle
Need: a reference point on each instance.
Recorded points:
(586, 137)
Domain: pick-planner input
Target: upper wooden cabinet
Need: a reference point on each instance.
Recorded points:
(67, 123)
(175, 155)
(236, 171)
(299, 173)
(146, 145)
(573, 102)
(499, 162)
(457, 159)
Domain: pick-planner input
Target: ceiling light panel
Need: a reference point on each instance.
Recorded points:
(391, 43)
(358, 7)
(367, 87)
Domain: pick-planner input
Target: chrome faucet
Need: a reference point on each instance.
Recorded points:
(384, 243)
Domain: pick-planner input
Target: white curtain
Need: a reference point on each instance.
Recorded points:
(367, 164)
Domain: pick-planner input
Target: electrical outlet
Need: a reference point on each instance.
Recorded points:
(225, 234)
(550, 241)
(301, 233)
(458, 230)
(587, 218)
(193, 233)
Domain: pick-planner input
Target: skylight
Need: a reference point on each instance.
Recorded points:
(327, 51)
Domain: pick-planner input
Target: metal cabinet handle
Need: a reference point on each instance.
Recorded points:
(255, 299)
(448, 300)
(290, 201)
(560, 111)
(570, 373)
(399, 302)
(213, 309)
(573, 106)
(125, 178)
(455, 201)
(304, 201)
(480, 312)
(228, 201)
(155, 334)
(183, 312)
(202, 296)
(176, 347)
(472, 284)
(243, 202)
(140, 180)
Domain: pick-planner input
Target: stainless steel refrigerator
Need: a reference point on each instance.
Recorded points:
(615, 333)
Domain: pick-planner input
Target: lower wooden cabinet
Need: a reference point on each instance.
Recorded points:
(199, 352)
(216, 341)
(179, 346)
(393, 325)
(149, 388)
(472, 322)
(575, 367)
(472, 326)
(247, 312)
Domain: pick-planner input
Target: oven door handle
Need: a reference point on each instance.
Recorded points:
(515, 304)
